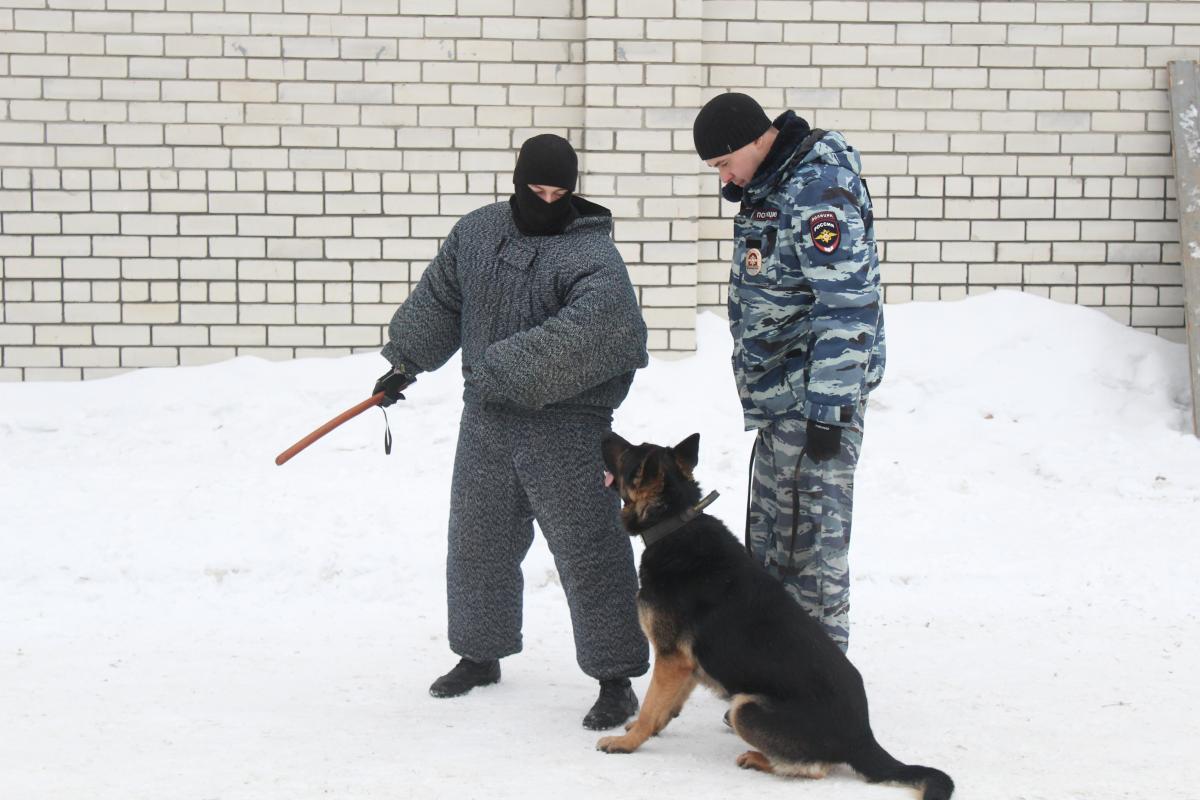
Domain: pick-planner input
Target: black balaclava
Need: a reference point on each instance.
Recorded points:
(545, 160)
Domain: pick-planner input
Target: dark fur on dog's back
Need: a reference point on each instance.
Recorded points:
(716, 617)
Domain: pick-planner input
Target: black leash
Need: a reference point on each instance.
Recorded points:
(795, 508)
(750, 489)
(795, 499)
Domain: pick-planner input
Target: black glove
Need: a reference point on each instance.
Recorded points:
(391, 383)
(823, 441)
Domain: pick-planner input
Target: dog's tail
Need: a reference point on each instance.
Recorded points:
(878, 766)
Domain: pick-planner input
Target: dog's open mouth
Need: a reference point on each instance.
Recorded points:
(608, 478)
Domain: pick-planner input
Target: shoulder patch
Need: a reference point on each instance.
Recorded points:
(825, 231)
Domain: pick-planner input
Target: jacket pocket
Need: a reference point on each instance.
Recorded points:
(515, 254)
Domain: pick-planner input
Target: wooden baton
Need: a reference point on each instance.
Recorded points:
(348, 414)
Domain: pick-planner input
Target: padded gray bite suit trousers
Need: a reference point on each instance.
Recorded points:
(512, 468)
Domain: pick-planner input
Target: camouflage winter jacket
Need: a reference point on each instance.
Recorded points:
(805, 306)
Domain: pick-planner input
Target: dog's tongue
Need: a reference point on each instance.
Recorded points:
(608, 478)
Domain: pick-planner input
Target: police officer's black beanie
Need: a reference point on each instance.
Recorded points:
(547, 160)
(728, 122)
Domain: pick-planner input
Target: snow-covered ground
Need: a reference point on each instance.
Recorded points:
(180, 619)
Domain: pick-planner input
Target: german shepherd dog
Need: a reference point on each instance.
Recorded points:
(714, 616)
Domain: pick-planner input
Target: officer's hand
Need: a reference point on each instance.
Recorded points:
(392, 383)
(823, 441)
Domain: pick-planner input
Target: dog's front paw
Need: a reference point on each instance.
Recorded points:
(617, 744)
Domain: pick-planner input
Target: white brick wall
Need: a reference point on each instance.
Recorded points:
(182, 181)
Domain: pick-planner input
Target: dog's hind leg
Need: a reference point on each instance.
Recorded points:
(752, 759)
(763, 724)
(814, 770)
(671, 682)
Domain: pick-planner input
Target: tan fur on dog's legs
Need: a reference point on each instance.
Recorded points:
(672, 680)
(752, 759)
(681, 696)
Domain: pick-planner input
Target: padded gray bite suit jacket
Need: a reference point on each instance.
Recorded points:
(551, 335)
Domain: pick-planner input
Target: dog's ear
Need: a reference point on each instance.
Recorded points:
(649, 469)
(687, 452)
(611, 447)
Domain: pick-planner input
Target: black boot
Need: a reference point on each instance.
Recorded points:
(465, 676)
(616, 703)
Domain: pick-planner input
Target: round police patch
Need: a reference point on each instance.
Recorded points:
(825, 232)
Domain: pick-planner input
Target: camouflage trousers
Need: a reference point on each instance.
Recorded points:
(812, 563)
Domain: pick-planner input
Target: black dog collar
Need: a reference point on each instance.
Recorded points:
(656, 533)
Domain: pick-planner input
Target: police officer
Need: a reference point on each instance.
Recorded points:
(806, 314)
